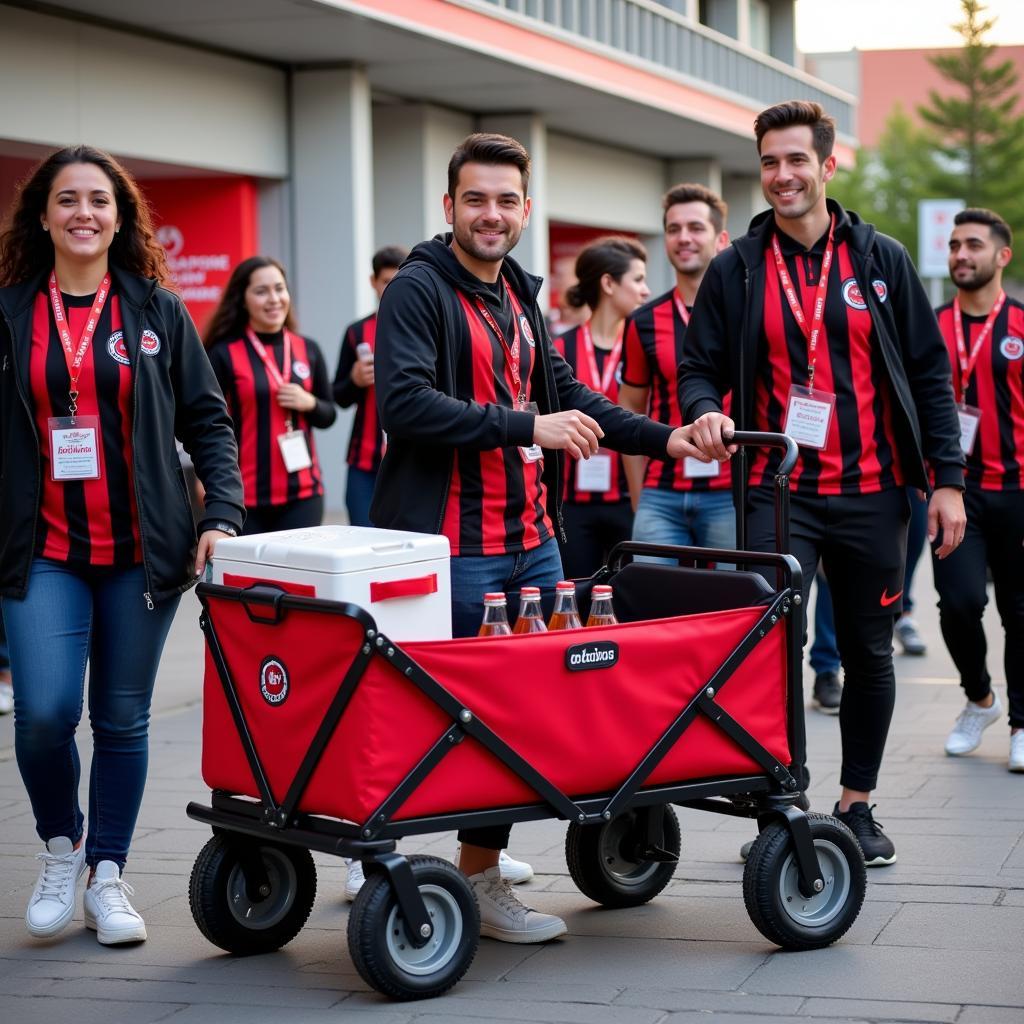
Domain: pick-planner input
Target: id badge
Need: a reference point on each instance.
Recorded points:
(694, 469)
(595, 473)
(969, 420)
(74, 447)
(808, 416)
(529, 452)
(294, 450)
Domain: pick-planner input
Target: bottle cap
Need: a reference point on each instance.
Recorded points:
(526, 592)
(496, 598)
(566, 585)
(602, 590)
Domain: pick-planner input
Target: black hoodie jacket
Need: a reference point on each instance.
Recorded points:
(421, 328)
(724, 334)
(174, 394)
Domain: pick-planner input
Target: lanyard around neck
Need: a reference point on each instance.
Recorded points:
(968, 362)
(72, 355)
(511, 351)
(611, 363)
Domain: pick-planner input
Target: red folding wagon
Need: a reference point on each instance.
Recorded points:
(320, 733)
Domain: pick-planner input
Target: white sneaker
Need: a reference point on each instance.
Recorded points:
(1017, 751)
(970, 724)
(514, 871)
(107, 910)
(53, 900)
(355, 879)
(6, 698)
(504, 917)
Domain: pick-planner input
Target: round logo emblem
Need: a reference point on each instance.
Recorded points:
(171, 238)
(273, 681)
(1012, 348)
(852, 296)
(301, 370)
(116, 347)
(527, 330)
(881, 289)
(150, 343)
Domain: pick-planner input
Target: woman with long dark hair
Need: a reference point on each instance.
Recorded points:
(612, 280)
(100, 368)
(277, 389)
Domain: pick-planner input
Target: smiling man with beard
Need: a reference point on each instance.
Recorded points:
(479, 408)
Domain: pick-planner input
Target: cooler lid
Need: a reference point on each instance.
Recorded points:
(332, 549)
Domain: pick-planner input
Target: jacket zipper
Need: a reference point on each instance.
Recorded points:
(147, 595)
(35, 434)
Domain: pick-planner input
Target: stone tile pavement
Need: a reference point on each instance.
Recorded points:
(940, 938)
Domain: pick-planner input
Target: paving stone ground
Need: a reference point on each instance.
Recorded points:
(940, 938)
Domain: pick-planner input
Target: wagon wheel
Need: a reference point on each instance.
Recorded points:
(379, 943)
(239, 917)
(607, 863)
(772, 894)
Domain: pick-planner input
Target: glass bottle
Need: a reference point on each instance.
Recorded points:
(565, 615)
(601, 611)
(531, 618)
(495, 621)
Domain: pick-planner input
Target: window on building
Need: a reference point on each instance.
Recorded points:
(759, 19)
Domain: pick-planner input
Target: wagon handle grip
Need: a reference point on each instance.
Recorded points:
(757, 439)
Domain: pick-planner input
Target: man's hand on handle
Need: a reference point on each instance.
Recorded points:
(946, 512)
(705, 435)
(572, 431)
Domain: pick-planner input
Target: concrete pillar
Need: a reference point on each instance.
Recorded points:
(743, 194)
(274, 199)
(533, 250)
(332, 182)
(705, 170)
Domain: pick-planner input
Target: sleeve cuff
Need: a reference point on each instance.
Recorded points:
(519, 428)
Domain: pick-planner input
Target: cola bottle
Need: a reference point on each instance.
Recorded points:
(566, 615)
(601, 611)
(495, 621)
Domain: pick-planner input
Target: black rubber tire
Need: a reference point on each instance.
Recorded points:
(378, 944)
(779, 912)
(223, 911)
(603, 867)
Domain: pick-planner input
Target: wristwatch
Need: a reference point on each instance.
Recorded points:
(225, 528)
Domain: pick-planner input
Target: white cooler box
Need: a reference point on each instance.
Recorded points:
(402, 579)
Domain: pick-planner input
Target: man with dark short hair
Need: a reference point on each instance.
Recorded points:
(479, 409)
(819, 327)
(984, 331)
(685, 502)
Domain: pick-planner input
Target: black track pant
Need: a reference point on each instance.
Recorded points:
(994, 537)
(861, 540)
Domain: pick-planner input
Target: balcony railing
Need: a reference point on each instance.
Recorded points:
(651, 33)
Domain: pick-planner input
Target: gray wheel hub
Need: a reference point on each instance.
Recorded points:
(822, 907)
(445, 919)
(283, 885)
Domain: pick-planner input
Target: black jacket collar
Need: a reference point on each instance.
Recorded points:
(132, 288)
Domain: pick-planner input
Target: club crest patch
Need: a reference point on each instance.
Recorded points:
(852, 294)
(301, 370)
(881, 289)
(116, 348)
(527, 330)
(1011, 348)
(150, 343)
(273, 681)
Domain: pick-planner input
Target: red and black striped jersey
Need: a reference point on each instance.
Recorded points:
(652, 352)
(996, 387)
(860, 454)
(259, 420)
(88, 522)
(572, 346)
(496, 501)
(366, 445)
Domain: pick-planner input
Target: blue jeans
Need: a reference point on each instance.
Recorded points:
(358, 495)
(475, 575)
(703, 519)
(70, 617)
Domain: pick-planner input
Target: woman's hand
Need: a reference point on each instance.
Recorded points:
(295, 397)
(205, 549)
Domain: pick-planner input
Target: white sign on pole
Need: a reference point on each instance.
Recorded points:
(934, 225)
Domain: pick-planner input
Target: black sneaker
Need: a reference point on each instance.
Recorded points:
(876, 847)
(827, 693)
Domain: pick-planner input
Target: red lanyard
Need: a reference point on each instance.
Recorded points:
(967, 362)
(812, 332)
(279, 377)
(684, 313)
(75, 357)
(611, 362)
(511, 351)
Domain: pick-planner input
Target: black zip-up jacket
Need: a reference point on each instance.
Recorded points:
(725, 331)
(421, 329)
(174, 394)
